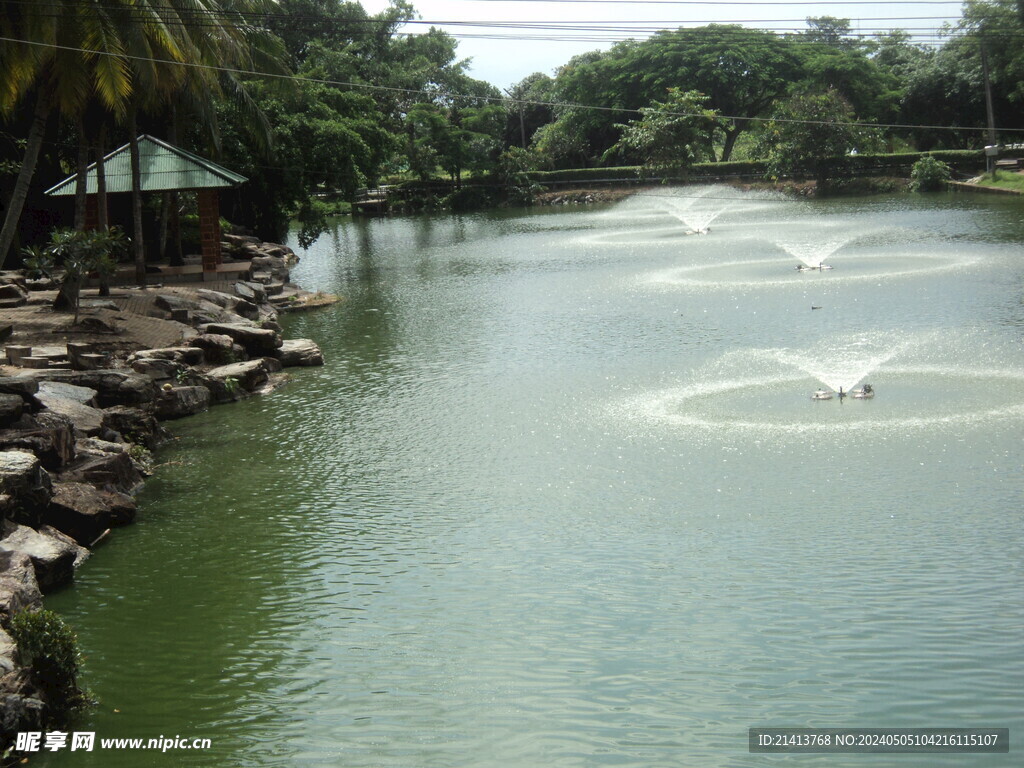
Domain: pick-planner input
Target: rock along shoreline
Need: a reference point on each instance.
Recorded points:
(82, 406)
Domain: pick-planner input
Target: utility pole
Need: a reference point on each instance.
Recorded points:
(522, 125)
(992, 150)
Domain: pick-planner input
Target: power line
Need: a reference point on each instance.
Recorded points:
(727, 2)
(486, 99)
(193, 16)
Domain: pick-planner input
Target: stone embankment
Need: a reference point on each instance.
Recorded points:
(78, 419)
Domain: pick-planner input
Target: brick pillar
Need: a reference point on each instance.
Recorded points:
(209, 228)
(92, 214)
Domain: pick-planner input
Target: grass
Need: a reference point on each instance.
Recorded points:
(1006, 180)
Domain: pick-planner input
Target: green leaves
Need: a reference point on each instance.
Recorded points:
(929, 175)
(810, 135)
(49, 647)
(671, 135)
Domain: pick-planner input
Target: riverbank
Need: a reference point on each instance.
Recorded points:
(82, 405)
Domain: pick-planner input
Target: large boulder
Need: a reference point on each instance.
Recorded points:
(183, 355)
(218, 348)
(257, 342)
(11, 408)
(250, 291)
(176, 402)
(25, 487)
(245, 306)
(87, 421)
(156, 369)
(25, 389)
(21, 709)
(84, 512)
(172, 303)
(105, 465)
(19, 589)
(54, 555)
(300, 352)
(65, 391)
(222, 300)
(249, 375)
(8, 653)
(112, 387)
(74, 403)
(48, 435)
(135, 425)
(275, 265)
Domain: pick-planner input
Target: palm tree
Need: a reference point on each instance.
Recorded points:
(128, 56)
(64, 54)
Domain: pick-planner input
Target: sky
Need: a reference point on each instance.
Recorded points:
(503, 55)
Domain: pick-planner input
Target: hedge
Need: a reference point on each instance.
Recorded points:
(854, 165)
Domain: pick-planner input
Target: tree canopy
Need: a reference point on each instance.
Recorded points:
(354, 100)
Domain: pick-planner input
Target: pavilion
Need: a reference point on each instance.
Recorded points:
(164, 168)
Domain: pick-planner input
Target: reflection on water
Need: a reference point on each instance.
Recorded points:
(560, 497)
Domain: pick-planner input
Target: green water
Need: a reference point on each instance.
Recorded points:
(560, 497)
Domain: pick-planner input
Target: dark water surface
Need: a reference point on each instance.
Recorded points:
(560, 497)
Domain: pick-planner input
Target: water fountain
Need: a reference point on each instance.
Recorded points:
(699, 221)
(841, 366)
(812, 253)
(765, 391)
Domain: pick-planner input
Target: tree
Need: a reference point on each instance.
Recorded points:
(528, 109)
(74, 254)
(579, 136)
(832, 60)
(124, 55)
(672, 135)
(46, 55)
(741, 71)
(829, 30)
(810, 134)
(945, 88)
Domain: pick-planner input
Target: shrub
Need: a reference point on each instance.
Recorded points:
(76, 254)
(48, 646)
(929, 174)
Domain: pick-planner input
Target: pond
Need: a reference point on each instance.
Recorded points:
(561, 497)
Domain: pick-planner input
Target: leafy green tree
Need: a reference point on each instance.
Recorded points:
(514, 166)
(59, 73)
(832, 60)
(810, 134)
(741, 71)
(945, 88)
(325, 140)
(672, 135)
(996, 26)
(579, 136)
(528, 109)
(563, 143)
(829, 30)
(72, 255)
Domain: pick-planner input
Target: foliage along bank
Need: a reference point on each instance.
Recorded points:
(315, 97)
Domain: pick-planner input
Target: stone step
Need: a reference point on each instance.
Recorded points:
(264, 278)
(91, 361)
(16, 352)
(54, 354)
(34, 362)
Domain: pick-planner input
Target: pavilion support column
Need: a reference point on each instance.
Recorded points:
(209, 228)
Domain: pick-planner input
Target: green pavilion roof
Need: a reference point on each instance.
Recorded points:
(165, 168)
